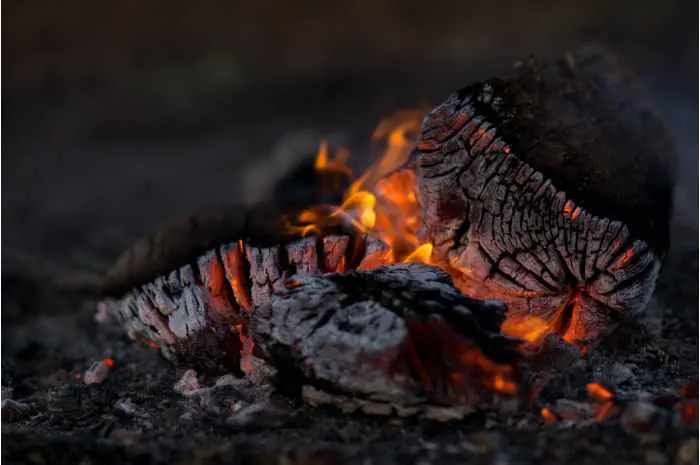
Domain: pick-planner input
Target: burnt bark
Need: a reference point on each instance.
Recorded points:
(549, 188)
(197, 313)
(400, 334)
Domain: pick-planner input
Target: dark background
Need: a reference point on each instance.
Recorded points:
(121, 115)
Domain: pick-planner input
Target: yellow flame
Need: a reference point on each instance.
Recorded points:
(421, 254)
(382, 201)
(337, 164)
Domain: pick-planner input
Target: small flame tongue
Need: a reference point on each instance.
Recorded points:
(382, 202)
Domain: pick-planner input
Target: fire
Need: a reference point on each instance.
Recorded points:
(599, 392)
(548, 415)
(530, 329)
(382, 201)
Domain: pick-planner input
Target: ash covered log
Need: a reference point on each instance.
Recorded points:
(187, 289)
(400, 334)
(549, 188)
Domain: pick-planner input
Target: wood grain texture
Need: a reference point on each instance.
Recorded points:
(549, 188)
(400, 334)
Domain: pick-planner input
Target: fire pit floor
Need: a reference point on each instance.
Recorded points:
(136, 415)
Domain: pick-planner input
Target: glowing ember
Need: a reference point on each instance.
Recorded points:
(549, 416)
(247, 347)
(381, 202)
(599, 392)
(531, 329)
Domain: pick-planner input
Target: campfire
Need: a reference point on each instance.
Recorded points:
(500, 236)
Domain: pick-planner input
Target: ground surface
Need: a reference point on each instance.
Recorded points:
(136, 416)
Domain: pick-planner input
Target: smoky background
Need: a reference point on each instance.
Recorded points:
(118, 116)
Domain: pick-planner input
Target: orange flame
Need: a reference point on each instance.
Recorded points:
(381, 202)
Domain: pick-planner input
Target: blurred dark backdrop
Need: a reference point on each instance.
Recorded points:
(120, 115)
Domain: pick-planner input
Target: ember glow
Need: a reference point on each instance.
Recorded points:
(381, 202)
(531, 329)
(599, 392)
(548, 415)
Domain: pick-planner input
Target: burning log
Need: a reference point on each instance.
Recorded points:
(400, 334)
(189, 288)
(550, 189)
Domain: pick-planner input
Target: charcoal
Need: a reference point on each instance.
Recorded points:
(196, 313)
(549, 188)
(399, 334)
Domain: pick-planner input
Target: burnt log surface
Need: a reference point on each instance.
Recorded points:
(196, 312)
(550, 188)
(400, 334)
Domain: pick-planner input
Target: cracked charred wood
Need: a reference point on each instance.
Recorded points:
(549, 188)
(400, 334)
(187, 289)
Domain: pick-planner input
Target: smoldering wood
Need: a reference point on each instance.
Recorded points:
(261, 224)
(400, 334)
(197, 313)
(550, 188)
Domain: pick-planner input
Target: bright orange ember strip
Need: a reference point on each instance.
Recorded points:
(599, 392)
(549, 416)
(108, 362)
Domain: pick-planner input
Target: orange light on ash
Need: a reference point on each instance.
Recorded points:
(599, 392)
(568, 208)
(108, 362)
(605, 411)
(626, 257)
(503, 385)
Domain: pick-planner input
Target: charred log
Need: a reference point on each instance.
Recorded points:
(549, 188)
(400, 334)
(195, 308)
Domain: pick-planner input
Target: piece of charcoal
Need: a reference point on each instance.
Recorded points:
(400, 334)
(197, 311)
(550, 189)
